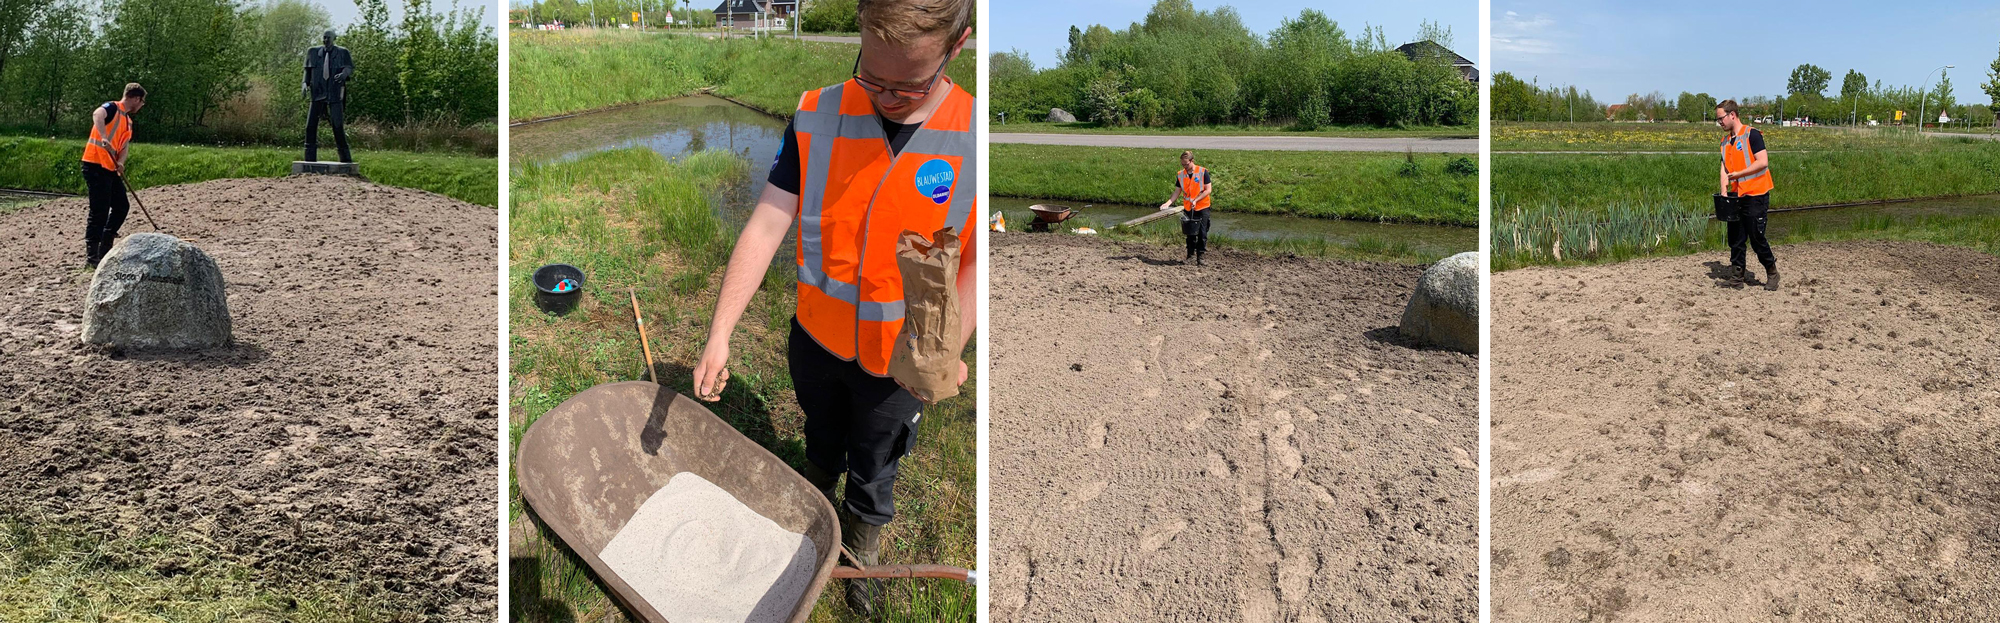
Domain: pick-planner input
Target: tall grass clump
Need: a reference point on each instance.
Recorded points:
(1547, 233)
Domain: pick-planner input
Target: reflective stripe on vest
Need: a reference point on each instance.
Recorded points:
(106, 147)
(856, 198)
(1191, 186)
(1740, 144)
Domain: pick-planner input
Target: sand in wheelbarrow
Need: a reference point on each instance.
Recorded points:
(698, 555)
(346, 435)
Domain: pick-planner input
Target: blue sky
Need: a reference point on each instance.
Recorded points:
(345, 13)
(1617, 48)
(1040, 28)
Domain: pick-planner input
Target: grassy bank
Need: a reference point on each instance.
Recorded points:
(1086, 127)
(1543, 235)
(561, 72)
(1590, 182)
(1420, 188)
(62, 572)
(55, 166)
(1701, 137)
(630, 219)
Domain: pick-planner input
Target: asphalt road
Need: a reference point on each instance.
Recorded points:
(1249, 143)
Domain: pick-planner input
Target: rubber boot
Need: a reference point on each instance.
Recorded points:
(1736, 274)
(90, 254)
(1197, 258)
(821, 480)
(865, 542)
(1771, 282)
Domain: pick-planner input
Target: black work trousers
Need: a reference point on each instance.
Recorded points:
(108, 207)
(334, 111)
(1194, 225)
(856, 423)
(1749, 231)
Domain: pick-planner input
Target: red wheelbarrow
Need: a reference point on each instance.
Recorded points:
(1047, 216)
(588, 465)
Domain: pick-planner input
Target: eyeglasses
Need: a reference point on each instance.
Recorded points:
(908, 94)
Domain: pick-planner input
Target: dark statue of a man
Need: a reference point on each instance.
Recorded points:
(327, 69)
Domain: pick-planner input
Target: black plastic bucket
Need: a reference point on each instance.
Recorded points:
(1728, 208)
(557, 288)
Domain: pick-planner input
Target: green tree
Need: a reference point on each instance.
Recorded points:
(1992, 87)
(15, 18)
(1434, 33)
(831, 16)
(49, 62)
(190, 55)
(1808, 79)
(1853, 85)
(1941, 97)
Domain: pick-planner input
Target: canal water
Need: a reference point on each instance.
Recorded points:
(1436, 240)
(674, 128)
(1835, 219)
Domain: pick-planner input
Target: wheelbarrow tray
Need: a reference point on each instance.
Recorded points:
(587, 465)
(1047, 213)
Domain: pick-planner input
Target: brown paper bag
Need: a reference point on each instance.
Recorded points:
(927, 351)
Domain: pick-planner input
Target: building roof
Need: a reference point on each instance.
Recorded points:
(1430, 49)
(739, 6)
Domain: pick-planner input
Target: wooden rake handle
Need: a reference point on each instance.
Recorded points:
(644, 343)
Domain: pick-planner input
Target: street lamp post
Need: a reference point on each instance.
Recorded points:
(1926, 100)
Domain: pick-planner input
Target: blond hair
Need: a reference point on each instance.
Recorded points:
(901, 21)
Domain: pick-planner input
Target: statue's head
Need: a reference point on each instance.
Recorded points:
(327, 37)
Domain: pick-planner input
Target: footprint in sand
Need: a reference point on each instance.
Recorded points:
(1153, 537)
(1095, 434)
(1084, 494)
(1463, 458)
(1217, 467)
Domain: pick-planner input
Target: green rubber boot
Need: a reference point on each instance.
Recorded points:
(865, 543)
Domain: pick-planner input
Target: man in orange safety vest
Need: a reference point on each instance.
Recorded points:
(889, 150)
(104, 171)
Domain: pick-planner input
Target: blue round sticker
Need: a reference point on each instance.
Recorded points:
(934, 180)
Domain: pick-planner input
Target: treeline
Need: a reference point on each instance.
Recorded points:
(221, 72)
(1186, 67)
(1807, 97)
(611, 13)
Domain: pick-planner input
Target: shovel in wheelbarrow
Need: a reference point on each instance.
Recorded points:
(588, 465)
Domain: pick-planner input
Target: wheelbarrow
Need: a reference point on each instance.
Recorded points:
(588, 465)
(1047, 216)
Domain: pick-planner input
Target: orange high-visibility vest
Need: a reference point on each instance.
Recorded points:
(1736, 156)
(856, 198)
(1191, 186)
(105, 149)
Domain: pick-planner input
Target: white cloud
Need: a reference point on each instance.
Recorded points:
(1527, 37)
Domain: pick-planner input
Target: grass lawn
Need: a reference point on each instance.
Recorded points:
(54, 165)
(1700, 137)
(1591, 182)
(630, 219)
(563, 72)
(58, 572)
(1086, 127)
(1419, 188)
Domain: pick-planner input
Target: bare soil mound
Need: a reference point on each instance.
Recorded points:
(1667, 447)
(1246, 441)
(349, 433)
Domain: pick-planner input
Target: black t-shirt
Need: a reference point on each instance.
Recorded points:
(1756, 140)
(785, 171)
